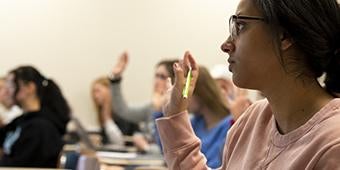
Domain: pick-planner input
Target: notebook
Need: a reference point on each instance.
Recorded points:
(84, 137)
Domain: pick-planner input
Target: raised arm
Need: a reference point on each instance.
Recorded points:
(133, 114)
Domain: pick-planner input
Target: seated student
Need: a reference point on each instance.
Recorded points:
(10, 111)
(113, 127)
(280, 48)
(141, 114)
(34, 139)
(211, 118)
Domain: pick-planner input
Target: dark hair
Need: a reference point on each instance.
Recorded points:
(314, 27)
(48, 92)
(169, 67)
(209, 94)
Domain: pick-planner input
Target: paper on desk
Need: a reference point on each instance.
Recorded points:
(116, 155)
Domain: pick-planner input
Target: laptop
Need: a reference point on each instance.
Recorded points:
(81, 132)
(84, 138)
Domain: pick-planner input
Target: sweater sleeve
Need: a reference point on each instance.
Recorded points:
(113, 132)
(180, 145)
(133, 114)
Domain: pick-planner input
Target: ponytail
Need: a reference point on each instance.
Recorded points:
(53, 103)
(332, 80)
(52, 98)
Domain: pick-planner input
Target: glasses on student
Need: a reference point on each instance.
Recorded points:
(236, 26)
(161, 76)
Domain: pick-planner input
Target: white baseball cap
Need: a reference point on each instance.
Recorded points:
(221, 71)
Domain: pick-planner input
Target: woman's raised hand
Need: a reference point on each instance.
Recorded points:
(176, 102)
(120, 66)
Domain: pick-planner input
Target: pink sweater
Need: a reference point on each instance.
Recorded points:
(255, 143)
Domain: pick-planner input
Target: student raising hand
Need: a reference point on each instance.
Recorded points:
(120, 66)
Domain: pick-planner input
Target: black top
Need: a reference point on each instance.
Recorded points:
(127, 128)
(31, 140)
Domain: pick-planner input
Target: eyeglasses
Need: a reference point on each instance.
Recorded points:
(235, 27)
(161, 76)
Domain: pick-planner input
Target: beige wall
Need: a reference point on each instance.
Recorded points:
(74, 41)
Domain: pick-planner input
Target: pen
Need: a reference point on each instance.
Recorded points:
(187, 85)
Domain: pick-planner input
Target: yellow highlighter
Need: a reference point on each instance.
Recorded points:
(187, 85)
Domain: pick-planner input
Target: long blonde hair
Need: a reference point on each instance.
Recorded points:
(103, 80)
(209, 94)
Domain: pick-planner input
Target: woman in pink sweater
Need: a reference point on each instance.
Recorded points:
(279, 47)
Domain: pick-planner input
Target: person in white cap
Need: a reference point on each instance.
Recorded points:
(236, 98)
(9, 111)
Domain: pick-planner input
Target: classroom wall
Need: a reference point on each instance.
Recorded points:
(75, 41)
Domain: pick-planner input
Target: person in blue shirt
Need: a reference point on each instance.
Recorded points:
(211, 118)
(212, 139)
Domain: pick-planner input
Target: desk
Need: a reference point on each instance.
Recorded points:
(21, 168)
(110, 159)
(128, 159)
(78, 147)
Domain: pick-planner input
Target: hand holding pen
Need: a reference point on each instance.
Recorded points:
(186, 73)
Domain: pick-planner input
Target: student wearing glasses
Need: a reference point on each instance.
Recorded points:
(141, 114)
(280, 48)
